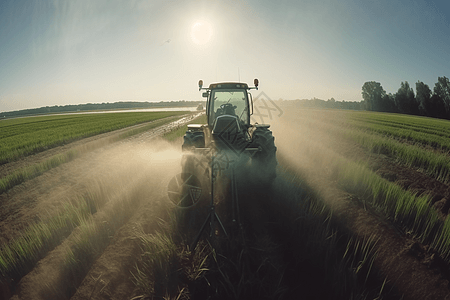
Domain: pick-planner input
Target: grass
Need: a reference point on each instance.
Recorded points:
(316, 242)
(30, 172)
(24, 136)
(86, 227)
(165, 262)
(435, 164)
(434, 137)
(289, 248)
(21, 175)
(411, 148)
(407, 210)
(158, 270)
(174, 135)
(20, 255)
(313, 242)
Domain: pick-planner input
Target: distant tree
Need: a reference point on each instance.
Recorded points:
(373, 93)
(388, 103)
(405, 100)
(423, 96)
(436, 108)
(442, 89)
(331, 103)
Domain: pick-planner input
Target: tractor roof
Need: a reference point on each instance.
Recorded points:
(228, 85)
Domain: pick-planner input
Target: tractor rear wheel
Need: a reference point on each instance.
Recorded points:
(264, 162)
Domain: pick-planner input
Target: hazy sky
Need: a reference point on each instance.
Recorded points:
(71, 52)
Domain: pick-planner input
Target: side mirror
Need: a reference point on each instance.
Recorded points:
(205, 94)
(200, 84)
(256, 82)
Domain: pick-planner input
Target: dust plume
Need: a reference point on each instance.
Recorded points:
(304, 146)
(116, 182)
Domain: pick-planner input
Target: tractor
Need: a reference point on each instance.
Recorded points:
(229, 132)
(226, 151)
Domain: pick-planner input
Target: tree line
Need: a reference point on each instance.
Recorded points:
(424, 102)
(97, 106)
(330, 103)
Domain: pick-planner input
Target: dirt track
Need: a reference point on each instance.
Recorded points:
(143, 167)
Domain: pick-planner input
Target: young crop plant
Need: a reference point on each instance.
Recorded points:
(158, 270)
(30, 172)
(179, 132)
(22, 253)
(19, 256)
(442, 241)
(93, 235)
(25, 136)
(410, 211)
(289, 247)
(435, 163)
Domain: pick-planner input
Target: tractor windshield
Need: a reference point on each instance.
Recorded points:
(230, 102)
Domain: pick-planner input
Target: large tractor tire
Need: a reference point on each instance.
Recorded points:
(264, 162)
(193, 139)
(194, 163)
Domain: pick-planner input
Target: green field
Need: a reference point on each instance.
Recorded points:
(309, 225)
(174, 135)
(418, 142)
(24, 136)
(30, 135)
(415, 142)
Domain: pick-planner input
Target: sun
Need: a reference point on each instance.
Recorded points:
(201, 32)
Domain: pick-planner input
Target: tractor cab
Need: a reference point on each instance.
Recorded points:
(229, 106)
(228, 99)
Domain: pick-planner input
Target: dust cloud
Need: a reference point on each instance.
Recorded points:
(304, 146)
(151, 163)
(297, 140)
(119, 179)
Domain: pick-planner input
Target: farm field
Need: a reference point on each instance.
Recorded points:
(25, 136)
(358, 211)
(385, 173)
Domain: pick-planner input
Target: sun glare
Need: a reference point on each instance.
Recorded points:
(201, 33)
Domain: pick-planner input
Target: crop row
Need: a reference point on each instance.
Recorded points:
(405, 208)
(179, 132)
(436, 137)
(26, 173)
(416, 130)
(20, 255)
(25, 136)
(303, 225)
(434, 163)
(343, 260)
(404, 121)
(83, 226)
